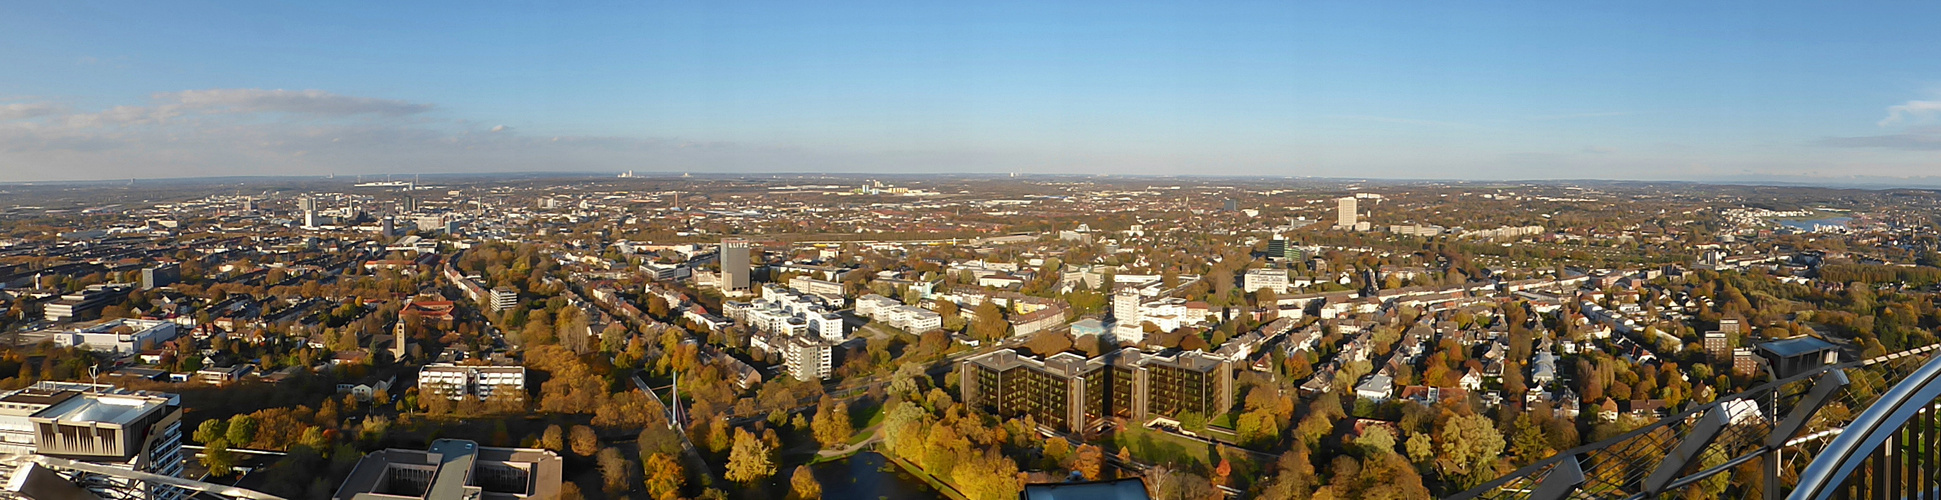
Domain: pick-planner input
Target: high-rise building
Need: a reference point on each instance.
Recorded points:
(734, 264)
(386, 227)
(1281, 248)
(1347, 217)
(160, 275)
(1125, 306)
(1233, 205)
(806, 358)
(504, 298)
(306, 204)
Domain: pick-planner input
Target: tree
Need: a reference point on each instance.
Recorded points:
(990, 324)
(211, 430)
(831, 425)
(664, 476)
(217, 457)
(616, 470)
(553, 438)
(803, 486)
(749, 460)
(1089, 460)
(1419, 448)
(1376, 440)
(1470, 447)
(585, 442)
(242, 430)
(987, 476)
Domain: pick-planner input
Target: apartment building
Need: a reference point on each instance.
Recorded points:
(1071, 393)
(458, 381)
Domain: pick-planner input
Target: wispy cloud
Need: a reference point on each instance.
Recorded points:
(25, 110)
(1570, 116)
(1917, 139)
(1911, 112)
(1403, 121)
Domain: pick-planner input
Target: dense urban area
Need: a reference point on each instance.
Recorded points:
(671, 336)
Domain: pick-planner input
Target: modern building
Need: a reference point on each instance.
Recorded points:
(1281, 248)
(504, 298)
(455, 469)
(1256, 279)
(99, 425)
(788, 312)
(1070, 393)
(83, 304)
(458, 381)
(734, 265)
(120, 337)
(1346, 218)
(667, 272)
(806, 358)
(160, 276)
(908, 318)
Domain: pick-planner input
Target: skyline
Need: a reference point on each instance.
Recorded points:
(1495, 92)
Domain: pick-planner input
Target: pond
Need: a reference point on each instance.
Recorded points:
(869, 475)
(1813, 225)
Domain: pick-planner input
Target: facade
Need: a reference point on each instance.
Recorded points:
(1256, 279)
(908, 318)
(667, 272)
(1070, 393)
(160, 276)
(454, 468)
(120, 336)
(504, 298)
(1281, 248)
(806, 358)
(83, 304)
(1346, 218)
(734, 265)
(99, 424)
(458, 381)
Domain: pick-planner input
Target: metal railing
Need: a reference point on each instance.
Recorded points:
(1701, 446)
(1889, 451)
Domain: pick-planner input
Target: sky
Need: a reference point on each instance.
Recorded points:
(1436, 90)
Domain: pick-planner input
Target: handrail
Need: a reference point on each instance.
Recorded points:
(1533, 469)
(1870, 430)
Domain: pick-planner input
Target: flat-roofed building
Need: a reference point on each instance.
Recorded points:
(806, 358)
(83, 304)
(122, 337)
(1071, 393)
(456, 469)
(458, 381)
(98, 424)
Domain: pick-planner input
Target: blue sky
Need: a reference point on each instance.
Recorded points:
(1644, 90)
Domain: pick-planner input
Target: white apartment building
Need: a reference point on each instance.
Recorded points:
(909, 318)
(1256, 279)
(457, 381)
(806, 358)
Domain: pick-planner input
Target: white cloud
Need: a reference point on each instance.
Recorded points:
(288, 101)
(25, 110)
(1911, 112)
(501, 128)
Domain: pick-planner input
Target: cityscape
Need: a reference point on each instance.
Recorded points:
(1065, 250)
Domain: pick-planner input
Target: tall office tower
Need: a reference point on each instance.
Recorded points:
(386, 227)
(734, 264)
(1125, 307)
(306, 204)
(247, 204)
(1233, 205)
(1347, 218)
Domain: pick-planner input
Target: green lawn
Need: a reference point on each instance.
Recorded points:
(1159, 447)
